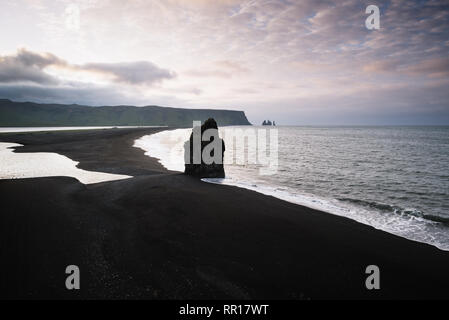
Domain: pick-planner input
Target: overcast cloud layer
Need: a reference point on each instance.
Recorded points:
(296, 62)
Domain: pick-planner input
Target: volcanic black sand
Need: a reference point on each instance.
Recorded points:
(163, 235)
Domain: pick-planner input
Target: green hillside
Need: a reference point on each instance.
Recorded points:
(21, 114)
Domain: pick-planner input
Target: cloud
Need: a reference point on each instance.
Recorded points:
(24, 77)
(78, 93)
(219, 69)
(28, 66)
(381, 66)
(28, 58)
(233, 66)
(209, 74)
(140, 72)
(435, 68)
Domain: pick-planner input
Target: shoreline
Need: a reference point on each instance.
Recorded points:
(328, 208)
(171, 157)
(163, 235)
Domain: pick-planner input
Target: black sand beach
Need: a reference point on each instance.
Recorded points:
(163, 235)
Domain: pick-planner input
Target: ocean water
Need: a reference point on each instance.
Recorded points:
(395, 179)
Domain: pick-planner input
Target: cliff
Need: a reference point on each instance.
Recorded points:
(21, 114)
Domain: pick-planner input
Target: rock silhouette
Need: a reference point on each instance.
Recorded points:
(203, 170)
(268, 123)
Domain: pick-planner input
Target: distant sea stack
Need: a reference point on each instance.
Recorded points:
(28, 114)
(268, 123)
(203, 170)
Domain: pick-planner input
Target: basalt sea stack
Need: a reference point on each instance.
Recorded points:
(199, 166)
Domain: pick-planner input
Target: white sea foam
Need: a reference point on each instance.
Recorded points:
(44, 164)
(167, 146)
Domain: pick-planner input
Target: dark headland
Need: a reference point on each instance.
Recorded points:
(165, 235)
(29, 114)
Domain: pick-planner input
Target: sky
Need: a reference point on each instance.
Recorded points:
(309, 62)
